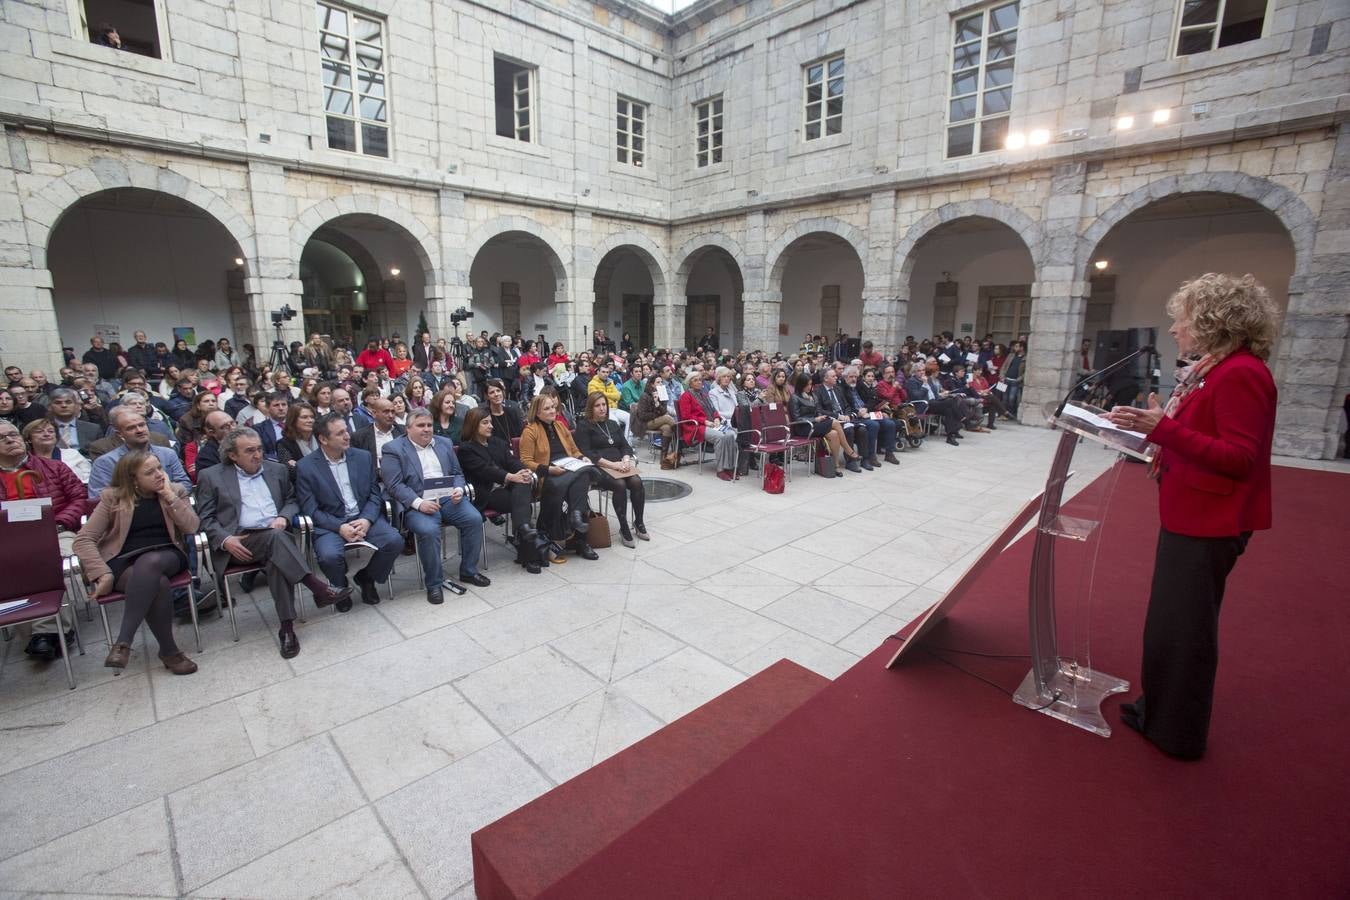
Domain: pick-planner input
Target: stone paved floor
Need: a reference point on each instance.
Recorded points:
(361, 767)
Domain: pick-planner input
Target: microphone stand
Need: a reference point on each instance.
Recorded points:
(1105, 370)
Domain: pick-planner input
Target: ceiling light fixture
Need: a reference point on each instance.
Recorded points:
(1124, 123)
(1101, 265)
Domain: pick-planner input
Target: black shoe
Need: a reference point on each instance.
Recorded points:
(370, 594)
(533, 567)
(890, 458)
(584, 550)
(435, 596)
(956, 434)
(290, 644)
(409, 544)
(578, 519)
(866, 464)
(475, 579)
(853, 466)
(46, 646)
(951, 440)
(247, 580)
(498, 519)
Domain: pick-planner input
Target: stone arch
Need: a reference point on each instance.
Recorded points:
(1021, 224)
(776, 257)
(424, 243)
(694, 249)
(1292, 213)
(43, 210)
(525, 225)
(647, 250)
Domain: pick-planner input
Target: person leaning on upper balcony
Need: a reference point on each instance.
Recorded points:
(1213, 469)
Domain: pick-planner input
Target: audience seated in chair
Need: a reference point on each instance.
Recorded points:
(545, 441)
(501, 482)
(601, 439)
(245, 507)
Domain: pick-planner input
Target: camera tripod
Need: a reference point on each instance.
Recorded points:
(279, 359)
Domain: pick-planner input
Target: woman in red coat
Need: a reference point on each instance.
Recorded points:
(702, 423)
(1214, 490)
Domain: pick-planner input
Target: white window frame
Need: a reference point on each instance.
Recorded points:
(981, 88)
(826, 80)
(79, 27)
(353, 88)
(709, 124)
(529, 74)
(625, 135)
(1178, 29)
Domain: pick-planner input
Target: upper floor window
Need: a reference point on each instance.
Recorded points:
(1206, 24)
(355, 91)
(631, 132)
(709, 117)
(824, 84)
(514, 92)
(984, 50)
(123, 25)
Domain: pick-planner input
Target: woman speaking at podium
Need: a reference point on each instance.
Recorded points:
(1213, 470)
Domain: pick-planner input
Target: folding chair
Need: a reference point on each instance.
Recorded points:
(777, 428)
(759, 444)
(702, 445)
(41, 582)
(237, 569)
(182, 580)
(306, 527)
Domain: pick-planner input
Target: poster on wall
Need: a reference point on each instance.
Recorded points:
(110, 333)
(185, 333)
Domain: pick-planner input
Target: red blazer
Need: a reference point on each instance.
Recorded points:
(689, 408)
(1215, 464)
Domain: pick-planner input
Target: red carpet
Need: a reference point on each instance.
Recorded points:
(923, 781)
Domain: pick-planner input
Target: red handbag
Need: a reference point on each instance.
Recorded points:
(774, 482)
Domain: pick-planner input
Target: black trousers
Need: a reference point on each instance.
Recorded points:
(514, 498)
(569, 488)
(1181, 638)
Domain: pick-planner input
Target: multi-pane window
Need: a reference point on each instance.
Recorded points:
(709, 117)
(514, 91)
(824, 85)
(355, 90)
(631, 132)
(984, 48)
(1206, 24)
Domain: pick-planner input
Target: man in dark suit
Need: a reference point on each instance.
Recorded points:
(830, 399)
(72, 432)
(373, 438)
(273, 430)
(245, 508)
(341, 403)
(423, 351)
(338, 489)
(407, 463)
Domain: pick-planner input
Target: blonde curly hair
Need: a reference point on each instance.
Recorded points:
(1226, 312)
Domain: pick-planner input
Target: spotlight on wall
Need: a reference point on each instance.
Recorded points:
(395, 271)
(1160, 116)
(1124, 123)
(1101, 265)
(1015, 140)
(238, 260)
(1038, 137)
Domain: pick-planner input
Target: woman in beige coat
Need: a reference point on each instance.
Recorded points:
(131, 543)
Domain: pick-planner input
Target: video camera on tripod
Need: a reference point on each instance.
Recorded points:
(280, 359)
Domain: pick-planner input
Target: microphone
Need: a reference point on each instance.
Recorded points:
(1093, 376)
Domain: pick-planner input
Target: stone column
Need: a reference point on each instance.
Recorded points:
(1312, 363)
(273, 278)
(30, 338)
(763, 302)
(575, 302)
(881, 310)
(451, 288)
(1058, 294)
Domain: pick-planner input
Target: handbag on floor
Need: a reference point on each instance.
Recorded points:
(825, 464)
(773, 479)
(597, 534)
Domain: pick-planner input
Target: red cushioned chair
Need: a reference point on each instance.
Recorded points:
(182, 580)
(778, 429)
(235, 569)
(42, 580)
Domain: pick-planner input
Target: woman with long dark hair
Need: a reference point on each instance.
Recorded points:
(601, 439)
(501, 482)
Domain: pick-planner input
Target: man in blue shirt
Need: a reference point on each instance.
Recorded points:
(131, 428)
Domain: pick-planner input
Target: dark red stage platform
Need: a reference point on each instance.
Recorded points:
(924, 781)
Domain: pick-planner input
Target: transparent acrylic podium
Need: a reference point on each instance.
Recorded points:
(1066, 687)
